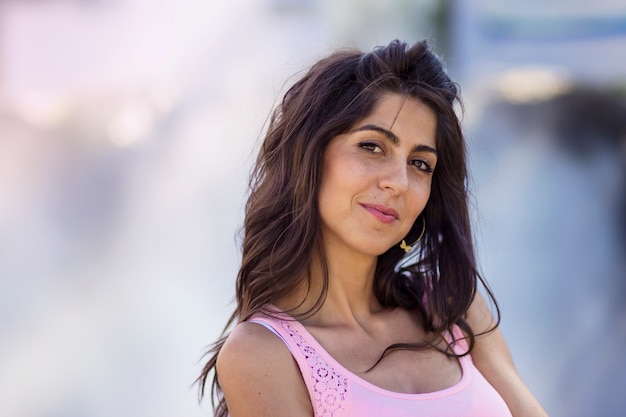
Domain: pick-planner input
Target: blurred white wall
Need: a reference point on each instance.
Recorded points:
(127, 129)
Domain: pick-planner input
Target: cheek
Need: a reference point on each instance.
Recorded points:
(419, 197)
(331, 189)
(341, 174)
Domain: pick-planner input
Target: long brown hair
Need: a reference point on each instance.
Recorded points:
(282, 226)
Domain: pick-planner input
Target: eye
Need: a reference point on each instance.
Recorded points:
(421, 165)
(370, 147)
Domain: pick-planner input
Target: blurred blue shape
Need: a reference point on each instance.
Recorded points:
(551, 28)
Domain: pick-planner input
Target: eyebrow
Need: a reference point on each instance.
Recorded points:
(394, 139)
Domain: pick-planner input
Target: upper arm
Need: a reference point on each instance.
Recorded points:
(259, 377)
(493, 359)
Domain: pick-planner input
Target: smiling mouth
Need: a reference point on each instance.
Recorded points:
(383, 213)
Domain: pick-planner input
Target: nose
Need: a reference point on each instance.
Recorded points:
(395, 176)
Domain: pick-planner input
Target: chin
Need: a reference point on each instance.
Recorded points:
(376, 250)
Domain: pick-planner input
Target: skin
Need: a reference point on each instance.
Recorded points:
(375, 183)
(492, 358)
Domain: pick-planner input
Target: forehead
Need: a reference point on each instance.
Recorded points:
(408, 118)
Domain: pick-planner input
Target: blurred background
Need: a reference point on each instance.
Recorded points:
(127, 131)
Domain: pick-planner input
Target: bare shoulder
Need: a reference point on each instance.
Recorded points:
(258, 375)
(493, 359)
(249, 340)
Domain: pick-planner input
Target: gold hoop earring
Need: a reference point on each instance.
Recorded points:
(406, 248)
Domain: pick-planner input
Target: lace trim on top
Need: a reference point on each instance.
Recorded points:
(330, 387)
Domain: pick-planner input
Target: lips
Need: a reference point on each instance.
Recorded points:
(381, 212)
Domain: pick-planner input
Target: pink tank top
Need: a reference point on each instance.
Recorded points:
(337, 392)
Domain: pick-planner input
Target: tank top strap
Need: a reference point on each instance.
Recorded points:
(327, 388)
(457, 340)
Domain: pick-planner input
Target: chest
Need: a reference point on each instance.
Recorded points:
(407, 370)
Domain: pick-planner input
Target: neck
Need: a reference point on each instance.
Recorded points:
(350, 296)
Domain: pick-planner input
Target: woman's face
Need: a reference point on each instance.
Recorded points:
(376, 178)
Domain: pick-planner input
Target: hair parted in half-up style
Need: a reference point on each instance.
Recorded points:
(281, 233)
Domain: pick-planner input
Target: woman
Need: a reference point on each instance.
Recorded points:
(338, 312)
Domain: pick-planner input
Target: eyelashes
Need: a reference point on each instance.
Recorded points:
(371, 147)
(375, 148)
(422, 165)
